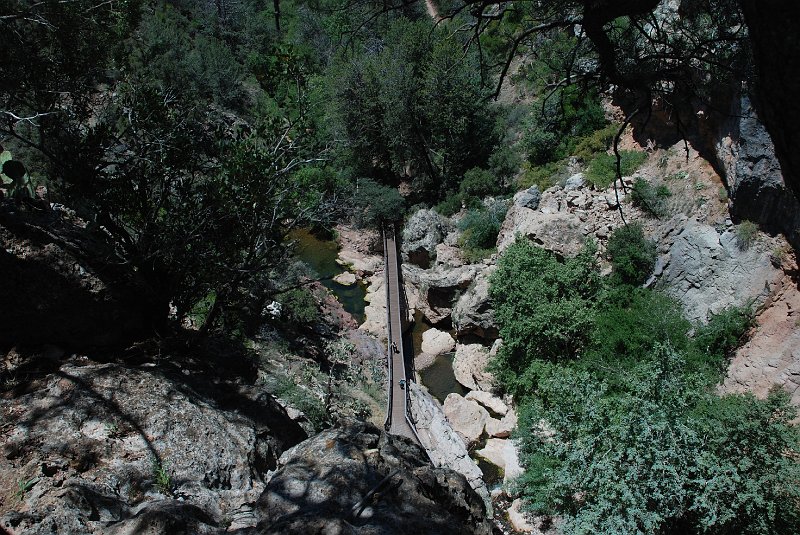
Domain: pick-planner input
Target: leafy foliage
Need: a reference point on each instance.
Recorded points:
(545, 308)
(376, 204)
(649, 198)
(632, 255)
(603, 167)
(481, 226)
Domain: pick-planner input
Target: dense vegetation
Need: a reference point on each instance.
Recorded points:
(622, 430)
(193, 136)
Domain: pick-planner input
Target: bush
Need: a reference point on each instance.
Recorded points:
(632, 255)
(723, 333)
(479, 183)
(299, 306)
(543, 176)
(545, 309)
(649, 199)
(603, 167)
(746, 233)
(480, 227)
(597, 142)
(451, 205)
(375, 204)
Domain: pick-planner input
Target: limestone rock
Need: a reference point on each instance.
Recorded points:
(560, 231)
(489, 401)
(449, 255)
(473, 313)
(434, 291)
(707, 272)
(528, 198)
(467, 417)
(423, 231)
(469, 366)
(503, 427)
(320, 482)
(375, 309)
(436, 342)
(444, 446)
(574, 182)
(345, 278)
(361, 264)
(518, 519)
(502, 453)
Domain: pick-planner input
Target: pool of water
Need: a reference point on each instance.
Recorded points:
(320, 255)
(440, 379)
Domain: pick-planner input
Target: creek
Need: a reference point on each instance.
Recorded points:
(320, 255)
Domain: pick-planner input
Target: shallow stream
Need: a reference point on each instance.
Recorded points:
(320, 255)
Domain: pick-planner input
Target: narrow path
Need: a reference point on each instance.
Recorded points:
(397, 419)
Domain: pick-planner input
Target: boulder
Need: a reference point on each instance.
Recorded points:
(551, 227)
(434, 291)
(467, 417)
(528, 198)
(473, 313)
(469, 366)
(503, 427)
(423, 231)
(574, 182)
(518, 519)
(436, 342)
(444, 446)
(323, 485)
(503, 454)
(449, 255)
(345, 278)
(362, 264)
(491, 402)
(708, 272)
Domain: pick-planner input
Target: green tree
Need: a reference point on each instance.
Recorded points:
(632, 255)
(545, 308)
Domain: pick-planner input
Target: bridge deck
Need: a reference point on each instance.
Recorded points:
(397, 418)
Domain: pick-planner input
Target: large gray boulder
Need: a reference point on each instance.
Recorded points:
(445, 447)
(423, 231)
(359, 479)
(466, 416)
(528, 198)
(473, 313)
(469, 365)
(708, 272)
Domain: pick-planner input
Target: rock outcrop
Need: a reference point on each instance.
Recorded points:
(150, 449)
(753, 173)
(444, 446)
(436, 342)
(502, 453)
(358, 479)
(434, 291)
(707, 271)
(469, 365)
(467, 417)
(423, 231)
(473, 313)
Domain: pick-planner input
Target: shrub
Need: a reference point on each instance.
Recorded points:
(480, 183)
(723, 333)
(376, 203)
(649, 199)
(597, 142)
(632, 255)
(480, 227)
(544, 307)
(451, 205)
(543, 176)
(603, 168)
(299, 306)
(746, 233)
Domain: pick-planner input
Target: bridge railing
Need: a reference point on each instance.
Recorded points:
(388, 423)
